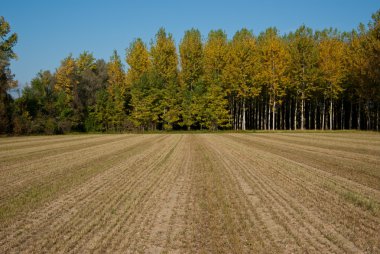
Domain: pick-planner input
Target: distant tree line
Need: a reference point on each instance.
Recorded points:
(302, 80)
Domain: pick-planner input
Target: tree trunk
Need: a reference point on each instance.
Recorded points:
(323, 113)
(315, 114)
(283, 116)
(350, 121)
(290, 115)
(368, 115)
(295, 115)
(231, 100)
(302, 112)
(265, 114)
(261, 116)
(309, 117)
(236, 108)
(232, 112)
(377, 117)
(257, 115)
(342, 114)
(274, 114)
(331, 114)
(243, 116)
(358, 117)
(269, 112)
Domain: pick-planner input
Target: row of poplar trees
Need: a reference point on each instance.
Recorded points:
(301, 80)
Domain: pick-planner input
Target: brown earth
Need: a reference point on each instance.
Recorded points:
(190, 193)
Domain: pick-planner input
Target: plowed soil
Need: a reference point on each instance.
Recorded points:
(191, 193)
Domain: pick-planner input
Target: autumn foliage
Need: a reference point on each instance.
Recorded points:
(302, 80)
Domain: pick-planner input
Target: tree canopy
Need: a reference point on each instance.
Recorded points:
(304, 79)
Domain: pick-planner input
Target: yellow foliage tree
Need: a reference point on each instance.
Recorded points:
(65, 78)
(165, 69)
(332, 66)
(138, 60)
(274, 61)
(240, 70)
(191, 56)
(215, 60)
(117, 90)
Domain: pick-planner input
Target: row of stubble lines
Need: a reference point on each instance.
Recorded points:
(324, 169)
(205, 209)
(347, 156)
(80, 218)
(184, 194)
(219, 217)
(21, 165)
(290, 199)
(162, 194)
(26, 182)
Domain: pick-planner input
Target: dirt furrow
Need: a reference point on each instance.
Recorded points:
(21, 148)
(37, 173)
(166, 220)
(9, 159)
(346, 218)
(315, 170)
(276, 217)
(77, 198)
(365, 138)
(351, 169)
(118, 184)
(218, 217)
(122, 196)
(191, 193)
(160, 184)
(26, 141)
(286, 211)
(369, 157)
(366, 151)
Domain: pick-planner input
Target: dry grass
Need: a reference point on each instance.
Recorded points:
(191, 193)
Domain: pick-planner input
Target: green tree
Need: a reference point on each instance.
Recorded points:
(66, 85)
(117, 90)
(137, 58)
(373, 55)
(7, 42)
(101, 111)
(146, 99)
(191, 56)
(91, 80)
(85, 66)
(143, 93)
(164, 66)
(37, 102)
(215, 60)
(85, 61)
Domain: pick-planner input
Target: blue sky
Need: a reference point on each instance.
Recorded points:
(49, 30)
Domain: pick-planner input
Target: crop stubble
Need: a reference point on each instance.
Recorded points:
(224, 193)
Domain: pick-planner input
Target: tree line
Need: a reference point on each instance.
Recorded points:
(301, 80)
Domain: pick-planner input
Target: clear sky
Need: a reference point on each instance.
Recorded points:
(49, 30)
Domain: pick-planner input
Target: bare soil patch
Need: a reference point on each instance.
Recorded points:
(191, 193)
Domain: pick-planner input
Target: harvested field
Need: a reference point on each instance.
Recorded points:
(190, 193)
